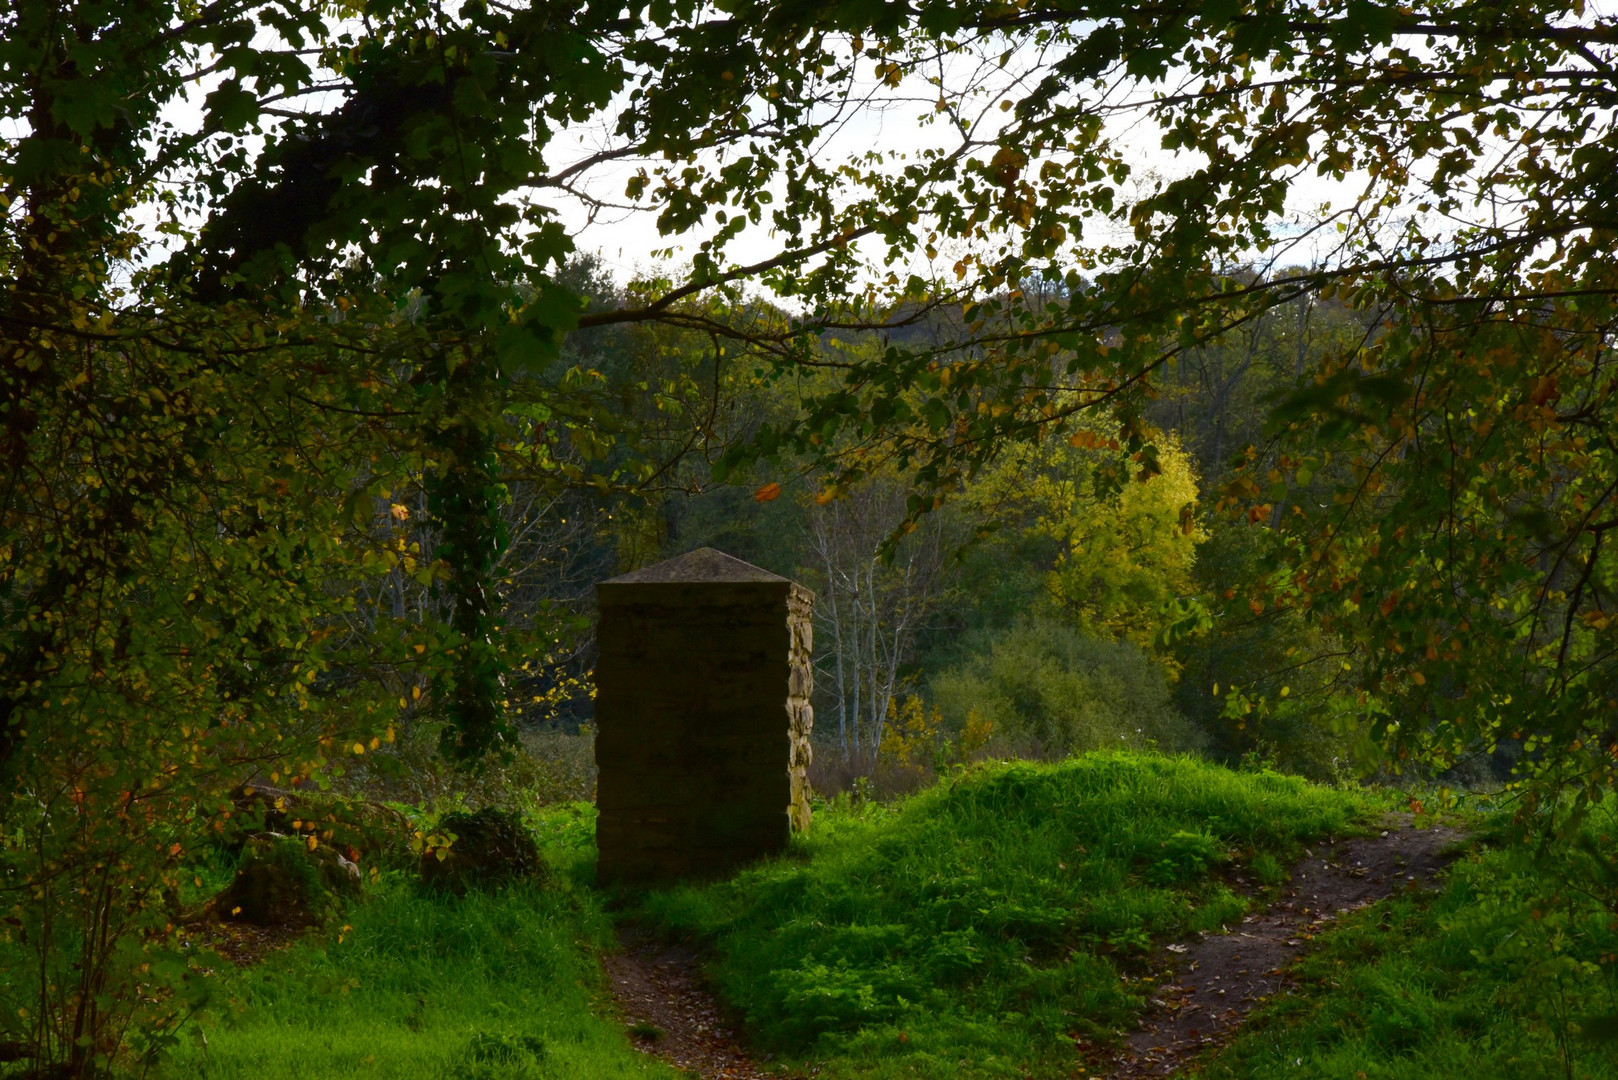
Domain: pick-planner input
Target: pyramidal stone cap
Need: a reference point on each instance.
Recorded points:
(702, 565)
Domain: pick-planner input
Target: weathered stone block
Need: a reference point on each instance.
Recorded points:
(703, 682)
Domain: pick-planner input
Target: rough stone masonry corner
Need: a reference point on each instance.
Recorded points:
(703, 683)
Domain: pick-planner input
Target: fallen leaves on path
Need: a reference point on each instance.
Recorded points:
(243, 944)
(670, 1013)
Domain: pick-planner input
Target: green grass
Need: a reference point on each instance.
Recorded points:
(488, 985)
(977, 928)
(1500, 974)
(972, 931)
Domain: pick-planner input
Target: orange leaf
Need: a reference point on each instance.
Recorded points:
(768, 493)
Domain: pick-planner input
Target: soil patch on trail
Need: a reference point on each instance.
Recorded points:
(1207, 986)
(243, 944)
(671, 1014)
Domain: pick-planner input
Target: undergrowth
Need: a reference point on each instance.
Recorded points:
(980, 927)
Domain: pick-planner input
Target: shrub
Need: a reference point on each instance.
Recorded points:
(367, 832)
(1185, 856)
(490, 847)
(1051, 692)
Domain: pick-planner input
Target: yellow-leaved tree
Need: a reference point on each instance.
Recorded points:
(1126, 554)
(1124, 548)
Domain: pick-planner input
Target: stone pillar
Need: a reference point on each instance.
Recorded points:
(703, 682)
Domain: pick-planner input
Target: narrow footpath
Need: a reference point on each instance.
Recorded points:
(1205, 986)
(671, 1014)
(1208, 985)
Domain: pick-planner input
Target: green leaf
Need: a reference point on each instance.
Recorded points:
(523, 347)
(231, 108)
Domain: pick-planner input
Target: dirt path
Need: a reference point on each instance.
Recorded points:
(672, 1015)
(1210, 984)
(1207, 988)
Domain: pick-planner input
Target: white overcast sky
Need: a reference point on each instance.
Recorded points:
(626, 242)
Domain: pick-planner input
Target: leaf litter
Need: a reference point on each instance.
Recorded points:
(670, 1013)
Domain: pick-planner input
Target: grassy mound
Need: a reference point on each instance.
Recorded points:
(979, 927)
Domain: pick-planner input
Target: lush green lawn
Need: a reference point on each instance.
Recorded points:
(971, 931)
(420, 986)
(975, 929)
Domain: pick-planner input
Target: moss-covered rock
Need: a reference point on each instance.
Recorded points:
(488, 848)
(283, 881)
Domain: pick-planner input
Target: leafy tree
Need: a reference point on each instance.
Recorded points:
(1128, 553)
(1217, 396)
(225, 343)
(1117, 557)
(1459, 537)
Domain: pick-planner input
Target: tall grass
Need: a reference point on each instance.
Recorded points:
(976, 929)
